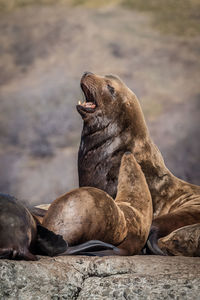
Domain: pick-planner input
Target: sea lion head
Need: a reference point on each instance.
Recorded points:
(108, 100)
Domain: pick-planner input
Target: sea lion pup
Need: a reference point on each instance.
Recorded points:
(88, 213)
(183, 241)
(21, 237)
(113, 123)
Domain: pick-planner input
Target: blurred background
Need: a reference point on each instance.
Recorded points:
(153, 45)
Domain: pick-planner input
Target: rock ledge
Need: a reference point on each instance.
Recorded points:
(79, 277)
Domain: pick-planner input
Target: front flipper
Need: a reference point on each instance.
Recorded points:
(101, 253)
(19, 254)
(151, 246)
(90, 248)
(49, 243)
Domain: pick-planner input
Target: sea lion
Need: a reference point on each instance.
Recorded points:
(39, 211)
(21, 237)
(89, 213)
(183, 241)
(17, 229)
(113, 123)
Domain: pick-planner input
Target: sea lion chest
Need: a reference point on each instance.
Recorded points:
(99, 160)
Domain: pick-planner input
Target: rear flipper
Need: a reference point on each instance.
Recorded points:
(49, 243)
(5, 253)
(27, 256)
(151, 246)
(40, 212)
(14, 254)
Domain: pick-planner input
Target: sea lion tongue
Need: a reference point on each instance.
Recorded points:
(87, 104)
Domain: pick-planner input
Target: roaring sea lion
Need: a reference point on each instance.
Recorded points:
(89, 213)
(21, 237)
(113, 123)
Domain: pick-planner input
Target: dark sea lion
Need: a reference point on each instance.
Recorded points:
(113, 123)
(88, 213)
(18, 229)
(21, 237)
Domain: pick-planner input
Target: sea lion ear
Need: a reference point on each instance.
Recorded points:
(114, 77)
(49, 243)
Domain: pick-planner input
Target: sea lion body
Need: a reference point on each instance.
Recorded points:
(22, 237)
(88, 213)
(182, 241)
(18, 229)
(115, 125)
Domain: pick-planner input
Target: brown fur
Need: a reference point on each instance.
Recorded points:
(21, 237)
(115, 126)
(183, 241)
(88, 213)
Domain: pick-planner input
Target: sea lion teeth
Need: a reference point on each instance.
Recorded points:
(87, 104)
(90, 105)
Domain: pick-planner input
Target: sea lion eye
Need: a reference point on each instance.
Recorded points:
(111, 89)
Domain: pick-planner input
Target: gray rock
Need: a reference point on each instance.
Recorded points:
(78, 277)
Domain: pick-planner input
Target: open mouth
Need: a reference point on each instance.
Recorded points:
(89, 104)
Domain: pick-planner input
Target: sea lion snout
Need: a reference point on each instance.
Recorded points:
(100, 96)
(86, 74)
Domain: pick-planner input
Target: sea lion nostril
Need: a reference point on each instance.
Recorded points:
(87, 73)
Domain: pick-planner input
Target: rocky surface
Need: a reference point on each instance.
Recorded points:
(137, 277)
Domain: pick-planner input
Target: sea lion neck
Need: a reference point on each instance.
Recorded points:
(96, 134)
(94, 124)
